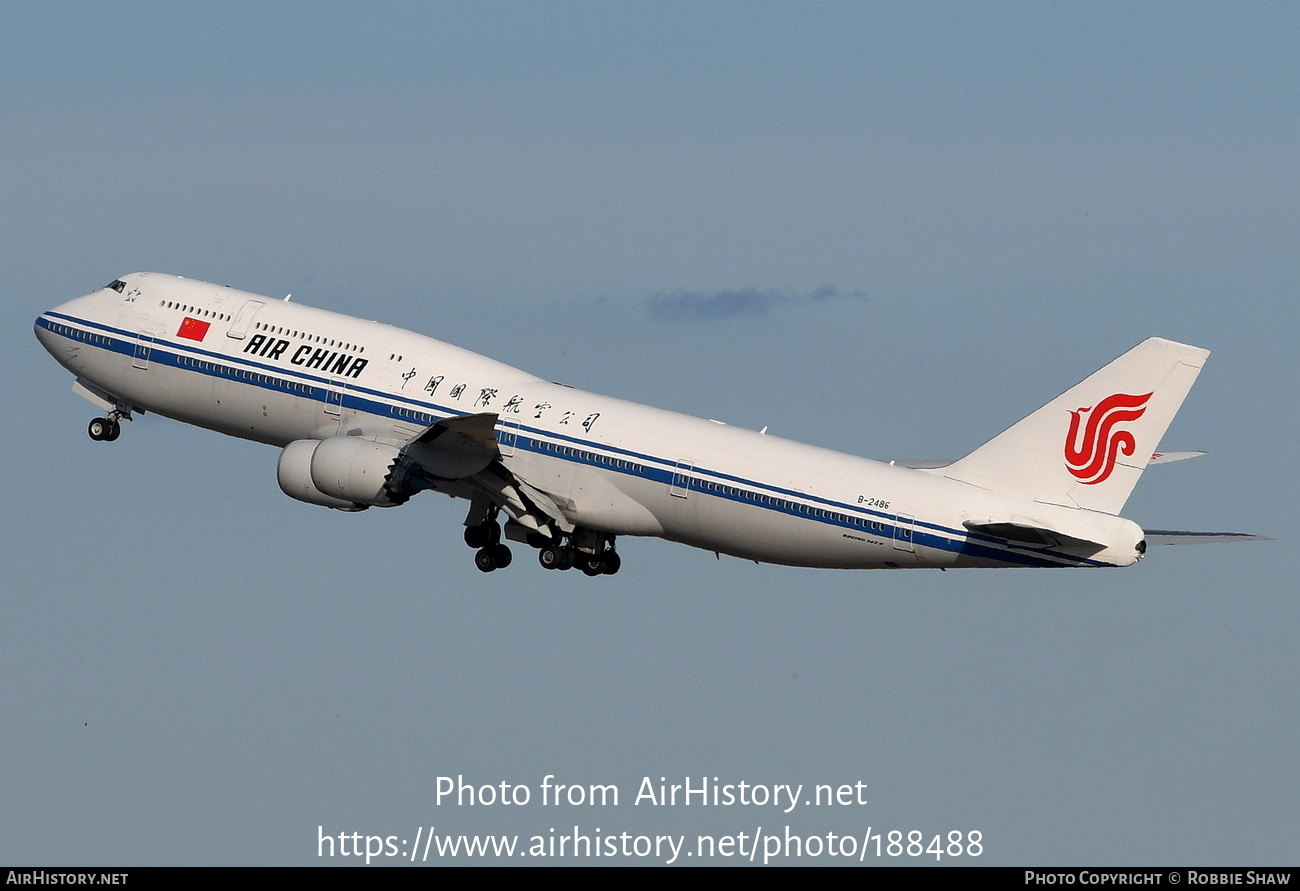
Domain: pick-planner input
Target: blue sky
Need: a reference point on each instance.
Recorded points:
(1003, 197)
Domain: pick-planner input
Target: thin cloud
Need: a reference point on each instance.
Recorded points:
(695, 306)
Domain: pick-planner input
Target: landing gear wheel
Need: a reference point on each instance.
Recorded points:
(485, 560)
(549, 557)
(610, 563)
(590, 564)
(104, 429)
(501, 554)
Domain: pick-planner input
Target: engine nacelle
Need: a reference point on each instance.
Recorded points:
(342, 472)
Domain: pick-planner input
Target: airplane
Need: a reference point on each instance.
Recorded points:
(368, 415)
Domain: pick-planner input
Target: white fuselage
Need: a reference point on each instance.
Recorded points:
(276, 371)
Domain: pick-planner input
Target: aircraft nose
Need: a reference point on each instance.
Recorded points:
(61, 330)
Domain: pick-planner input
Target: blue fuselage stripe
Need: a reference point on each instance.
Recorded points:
(650, 467)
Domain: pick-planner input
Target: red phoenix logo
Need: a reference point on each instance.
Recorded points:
(1090, 452)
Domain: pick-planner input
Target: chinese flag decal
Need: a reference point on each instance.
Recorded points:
(193, 329)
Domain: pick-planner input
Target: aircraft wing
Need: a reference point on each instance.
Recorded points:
(1173, 537)
(455, 448)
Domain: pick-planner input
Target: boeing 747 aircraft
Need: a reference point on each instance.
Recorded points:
(367, 415)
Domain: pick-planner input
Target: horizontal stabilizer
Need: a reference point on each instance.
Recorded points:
(1172, 537)
(921, 463)
(1170, 457)
(935, 463)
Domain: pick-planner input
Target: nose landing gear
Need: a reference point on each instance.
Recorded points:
(109, 427)
(105, 429)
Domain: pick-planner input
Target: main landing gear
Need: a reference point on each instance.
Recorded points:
(494, 557)
(585, 549)
(590, 551)
(485, 538)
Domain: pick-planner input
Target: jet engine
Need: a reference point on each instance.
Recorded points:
(342, 472)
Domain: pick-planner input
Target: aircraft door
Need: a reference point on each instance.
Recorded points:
(143, 347)
(244, 318)
(904, 524)
(508, 436)
(334, 392)
(680, 482)
(679, 516)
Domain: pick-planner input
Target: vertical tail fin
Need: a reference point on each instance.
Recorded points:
(1087, 447)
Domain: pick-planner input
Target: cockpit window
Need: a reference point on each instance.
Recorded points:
(117, 285)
